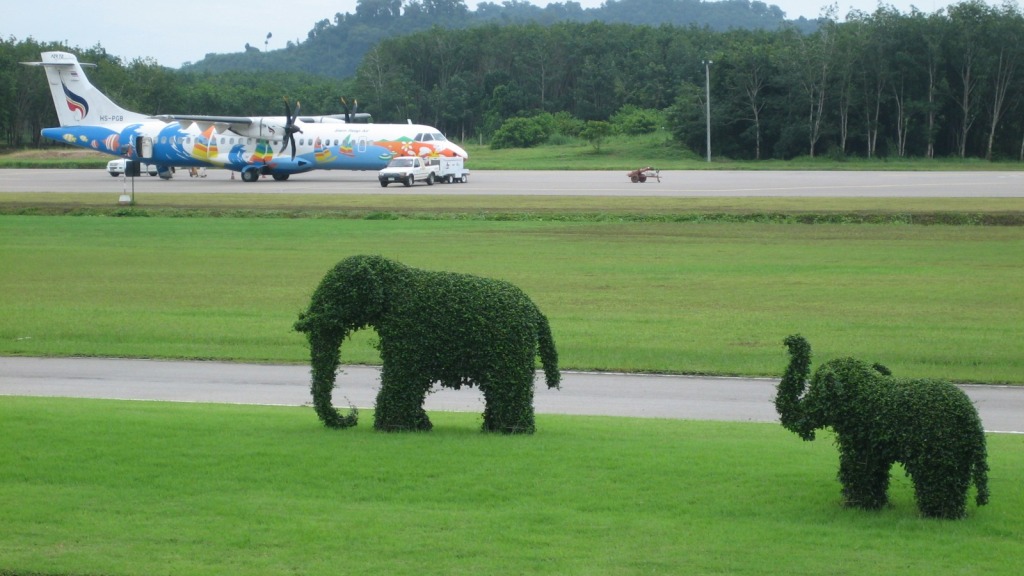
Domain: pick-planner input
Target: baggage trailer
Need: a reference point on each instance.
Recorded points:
(450, 169)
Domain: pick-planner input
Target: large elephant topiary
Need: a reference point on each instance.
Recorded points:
(929, 426)
(434, 327)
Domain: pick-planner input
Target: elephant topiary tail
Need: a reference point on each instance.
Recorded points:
(548, 354)
(794, 381)
(980, 472)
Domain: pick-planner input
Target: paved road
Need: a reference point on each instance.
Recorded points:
(602, 394)
(675, 183)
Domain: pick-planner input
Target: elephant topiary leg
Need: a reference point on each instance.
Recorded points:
(865, 479)
(941, 493)
(400, 402)
(509, 405)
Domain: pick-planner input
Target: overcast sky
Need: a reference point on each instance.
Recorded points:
(186, 30)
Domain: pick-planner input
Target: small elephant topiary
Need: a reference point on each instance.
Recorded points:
(929, 426)
(434, 327)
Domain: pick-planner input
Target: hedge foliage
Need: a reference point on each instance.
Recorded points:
(435, 328)
(929, 426)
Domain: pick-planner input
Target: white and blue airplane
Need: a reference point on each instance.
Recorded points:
(253, 146)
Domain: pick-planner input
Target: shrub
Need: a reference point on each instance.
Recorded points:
(596, 132)
(635, 121)
(929, 426)
(566, 124)
(521, 133)
(434, 327)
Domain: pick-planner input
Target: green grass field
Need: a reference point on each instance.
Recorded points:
(709, 298)
(132, 488)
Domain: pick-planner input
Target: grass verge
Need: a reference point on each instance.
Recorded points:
(127, 488)
(952, 211)
(624, 152)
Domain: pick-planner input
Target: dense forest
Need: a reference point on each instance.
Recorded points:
(879, 84)
(337, 48)
(884, 84)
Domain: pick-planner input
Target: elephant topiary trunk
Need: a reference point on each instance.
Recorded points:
(434, 328)
(929, 426)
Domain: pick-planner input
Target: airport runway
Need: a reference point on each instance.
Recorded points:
(581, 393)
(674, 183)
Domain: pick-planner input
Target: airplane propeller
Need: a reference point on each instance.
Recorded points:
(350, 114)
(289, 127)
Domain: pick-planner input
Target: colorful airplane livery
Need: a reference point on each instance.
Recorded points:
(254, 146)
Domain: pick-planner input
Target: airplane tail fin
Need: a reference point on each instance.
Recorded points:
(77, 101)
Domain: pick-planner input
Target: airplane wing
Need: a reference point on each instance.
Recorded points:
(221, 122)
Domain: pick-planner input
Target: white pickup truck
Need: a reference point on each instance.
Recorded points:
(407, 170)
(116, 167)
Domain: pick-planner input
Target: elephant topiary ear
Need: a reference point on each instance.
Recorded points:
(370, 287)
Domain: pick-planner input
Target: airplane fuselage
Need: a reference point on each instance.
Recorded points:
(320, 146)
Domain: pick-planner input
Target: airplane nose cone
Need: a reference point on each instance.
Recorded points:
(457, 150)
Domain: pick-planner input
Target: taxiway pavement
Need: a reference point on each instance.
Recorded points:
(674, 183)
(581, 393)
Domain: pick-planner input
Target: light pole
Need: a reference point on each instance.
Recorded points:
(707, 101)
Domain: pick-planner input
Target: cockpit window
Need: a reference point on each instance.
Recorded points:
(439, 137)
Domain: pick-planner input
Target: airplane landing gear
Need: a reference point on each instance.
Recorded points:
(250, 174)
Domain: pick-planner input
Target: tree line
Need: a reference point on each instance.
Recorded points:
(884, 84)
